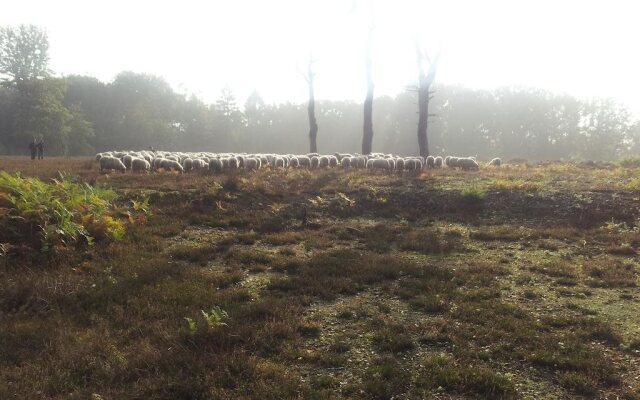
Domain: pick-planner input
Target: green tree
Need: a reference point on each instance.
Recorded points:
(24, 54)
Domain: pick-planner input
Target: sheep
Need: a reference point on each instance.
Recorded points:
(187, 164)
(346, 162)
(400, 164)
(112, 163)
(453, 162)
(199, 164)
(438, 162)
(362, 162)
(294, 162)
(140, 165)
(278, 162)
(378, 163)
(126, 160)
(252, 163)
(171, 165)
(215, 165)
(431, 162)
(413, 164)
(315, 161)
(496, 162)
(333, 161)
(323, 162)
(446, 160)
(304, 161)
(468, 164)
(233, 163)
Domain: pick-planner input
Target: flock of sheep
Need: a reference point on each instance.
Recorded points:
(143, 161)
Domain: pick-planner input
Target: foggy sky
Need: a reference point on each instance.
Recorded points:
(584, 48)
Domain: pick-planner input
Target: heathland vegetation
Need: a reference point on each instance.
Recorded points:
(511, 282)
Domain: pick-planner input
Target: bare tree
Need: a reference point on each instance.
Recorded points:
(313, 125)
(425, 80)
(367, 133)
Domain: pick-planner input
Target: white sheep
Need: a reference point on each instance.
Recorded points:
(315, 161)
(187, 164)
(496, 162)
(453, 162)
(438, 162)
(346, 162)
(112, 163)
(294, 162)
(215, 165)
(333, 161)
(378, 163)
(252, 163)
(140, 165)
(171, 165)
(431, 162)
(323, 162)
(467, 164)
(304, 161)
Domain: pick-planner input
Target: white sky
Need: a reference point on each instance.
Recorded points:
(585, 48)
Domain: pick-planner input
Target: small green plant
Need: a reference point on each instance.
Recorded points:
(215, 317)
(192, 325)
(473, 194)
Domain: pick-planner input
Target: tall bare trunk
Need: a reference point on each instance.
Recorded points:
(424, 95)
(423, 116)
(313, 125)
(367, 133)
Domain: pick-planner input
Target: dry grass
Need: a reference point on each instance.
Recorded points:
(381, 296)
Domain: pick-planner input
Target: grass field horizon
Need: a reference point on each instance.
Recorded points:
(511, 282)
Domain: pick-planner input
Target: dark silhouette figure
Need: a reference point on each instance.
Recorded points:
(33, 149)
(40, 148)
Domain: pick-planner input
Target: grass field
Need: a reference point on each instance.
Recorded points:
(517, 282)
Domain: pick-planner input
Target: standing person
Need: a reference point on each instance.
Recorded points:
(40, 147)
(32, 148)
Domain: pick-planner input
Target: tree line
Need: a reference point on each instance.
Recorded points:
(81, 115)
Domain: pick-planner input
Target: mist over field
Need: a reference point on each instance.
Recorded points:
(531, 81)
(299, 199)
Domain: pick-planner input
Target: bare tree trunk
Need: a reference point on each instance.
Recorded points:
(424, 95)
(367, 133)
(423, 115)
(313, 125)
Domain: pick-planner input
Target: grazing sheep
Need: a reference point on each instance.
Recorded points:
(496, 162)
(304, 161)
(199, 164)
(346, 162)
(112, 163)
(446, 160)
(187, 164)
(333, 161)
(438, 162)
(233, 163)
(315, 161)
(413, 164)
(400, 164)
(126, 160)
(467, 164)
(252, 163)
(215, 165)
(323, 162)
(431, 162)
(453, 162)
(294, 162)
(362, 162)
(278, 162)
(171, 165)
(140, 165)
(379, 163)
